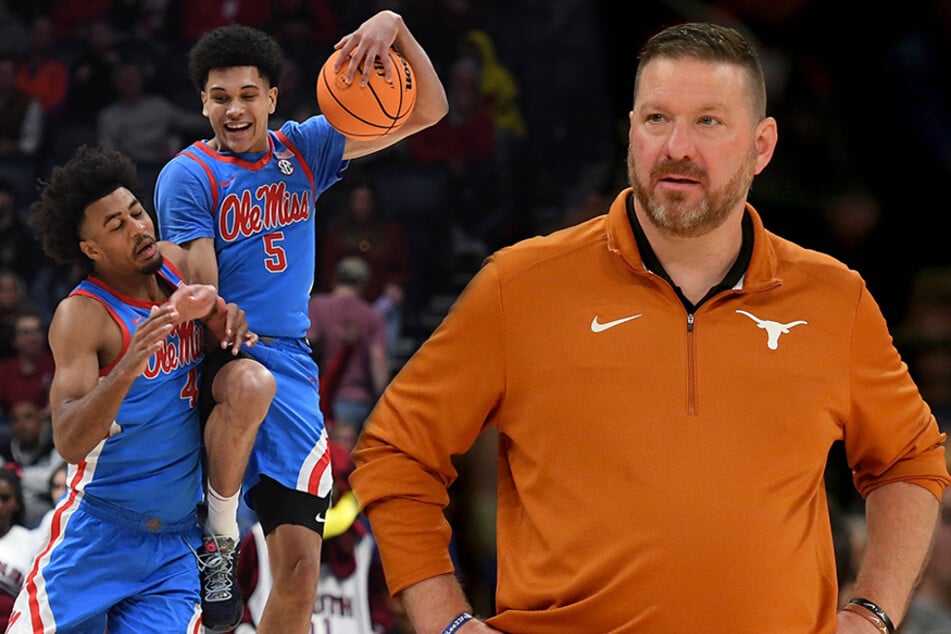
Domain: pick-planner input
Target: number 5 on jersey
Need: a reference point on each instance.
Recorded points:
(276, 260)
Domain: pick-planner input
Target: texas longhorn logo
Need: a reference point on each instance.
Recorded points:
(773, 328)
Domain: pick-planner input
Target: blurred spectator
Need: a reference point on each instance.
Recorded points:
(149, 40)
(846, 565)
(21, 128)
(352, 594)
(147, 128)
(200, 16)
(19, 250)
(911, 78)
(70, 17)
(460, 150)
(920, 61)
(363, 230)
(92, 85)
(56, 488)
(146, 18)
(341, 318)
(345, 433)
(568, 80)
(52, 282)
(41, 73)
(474, 516)
(924, 338)
(855, 229)
(13, 34)
(30, 448)
(57, 484)
(14, 299)
(442, 22)
(499, 89)
(296, 100)
(16, 543)
(26, 376)
(307, 30)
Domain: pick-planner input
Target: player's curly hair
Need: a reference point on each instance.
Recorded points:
(235, 45)
(91, 174)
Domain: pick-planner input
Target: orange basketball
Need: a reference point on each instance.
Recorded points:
(371, 111)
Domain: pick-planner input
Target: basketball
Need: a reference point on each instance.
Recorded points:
(371, 111)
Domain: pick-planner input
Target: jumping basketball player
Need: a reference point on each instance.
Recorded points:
(242, 206)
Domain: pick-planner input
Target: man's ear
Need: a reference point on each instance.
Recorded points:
(89, 249)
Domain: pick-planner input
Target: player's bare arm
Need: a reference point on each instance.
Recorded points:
(372, 40)
(84, 338)
(225, 321)
(200, 264)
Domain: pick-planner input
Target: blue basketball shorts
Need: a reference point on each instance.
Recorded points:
(97, 572)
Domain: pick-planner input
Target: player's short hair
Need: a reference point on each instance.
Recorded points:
(92, 173)
(235, 45)
(707, 43)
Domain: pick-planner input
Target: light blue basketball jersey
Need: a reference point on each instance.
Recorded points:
(150, 462)
(259, 208)
(120, 554)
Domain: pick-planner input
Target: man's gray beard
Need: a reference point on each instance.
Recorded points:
(673, 218)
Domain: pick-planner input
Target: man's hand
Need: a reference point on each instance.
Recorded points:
(227, 324)
(370, 42)
(148, 338)
(193, 301)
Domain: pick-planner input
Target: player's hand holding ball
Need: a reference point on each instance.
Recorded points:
(370, 111)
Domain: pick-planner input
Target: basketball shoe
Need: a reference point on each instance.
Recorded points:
(221, 603)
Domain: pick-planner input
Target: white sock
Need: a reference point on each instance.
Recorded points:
(222, 514)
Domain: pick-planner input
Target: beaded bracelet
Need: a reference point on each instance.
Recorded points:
(870, 611)
(457, 622)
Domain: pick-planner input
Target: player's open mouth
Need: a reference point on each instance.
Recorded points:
(146, 251)
(237, 127)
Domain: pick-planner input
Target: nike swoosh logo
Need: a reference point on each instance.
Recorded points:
(227, 182)
(596, 326)
(320, 518)
(136, 320)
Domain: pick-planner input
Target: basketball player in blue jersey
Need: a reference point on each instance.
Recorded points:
(242, 205)
(128, 344)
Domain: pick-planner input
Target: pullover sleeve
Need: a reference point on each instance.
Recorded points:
(891, 434)
(434, 409)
